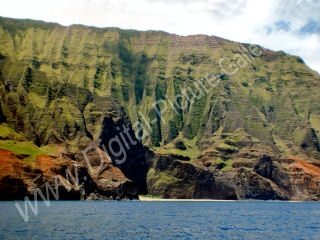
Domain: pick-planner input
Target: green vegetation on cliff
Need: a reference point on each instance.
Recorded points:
(274, 97)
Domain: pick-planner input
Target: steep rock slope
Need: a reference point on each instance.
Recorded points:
(252, 173)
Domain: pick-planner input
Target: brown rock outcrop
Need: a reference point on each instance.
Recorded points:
(71, 179)
(266, 178)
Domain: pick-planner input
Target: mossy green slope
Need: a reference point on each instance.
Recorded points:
(50, 72)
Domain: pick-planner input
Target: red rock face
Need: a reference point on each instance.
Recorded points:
(18, 179)
(12, 185)
(305, 177)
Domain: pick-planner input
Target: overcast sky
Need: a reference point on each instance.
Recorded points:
(289, 25)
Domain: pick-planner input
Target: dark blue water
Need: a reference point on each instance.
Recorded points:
(163, 220)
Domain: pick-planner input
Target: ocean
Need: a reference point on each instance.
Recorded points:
(162, 220)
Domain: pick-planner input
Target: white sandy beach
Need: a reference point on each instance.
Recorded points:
(144, 199)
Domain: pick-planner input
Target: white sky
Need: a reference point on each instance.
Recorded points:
(289, 25)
